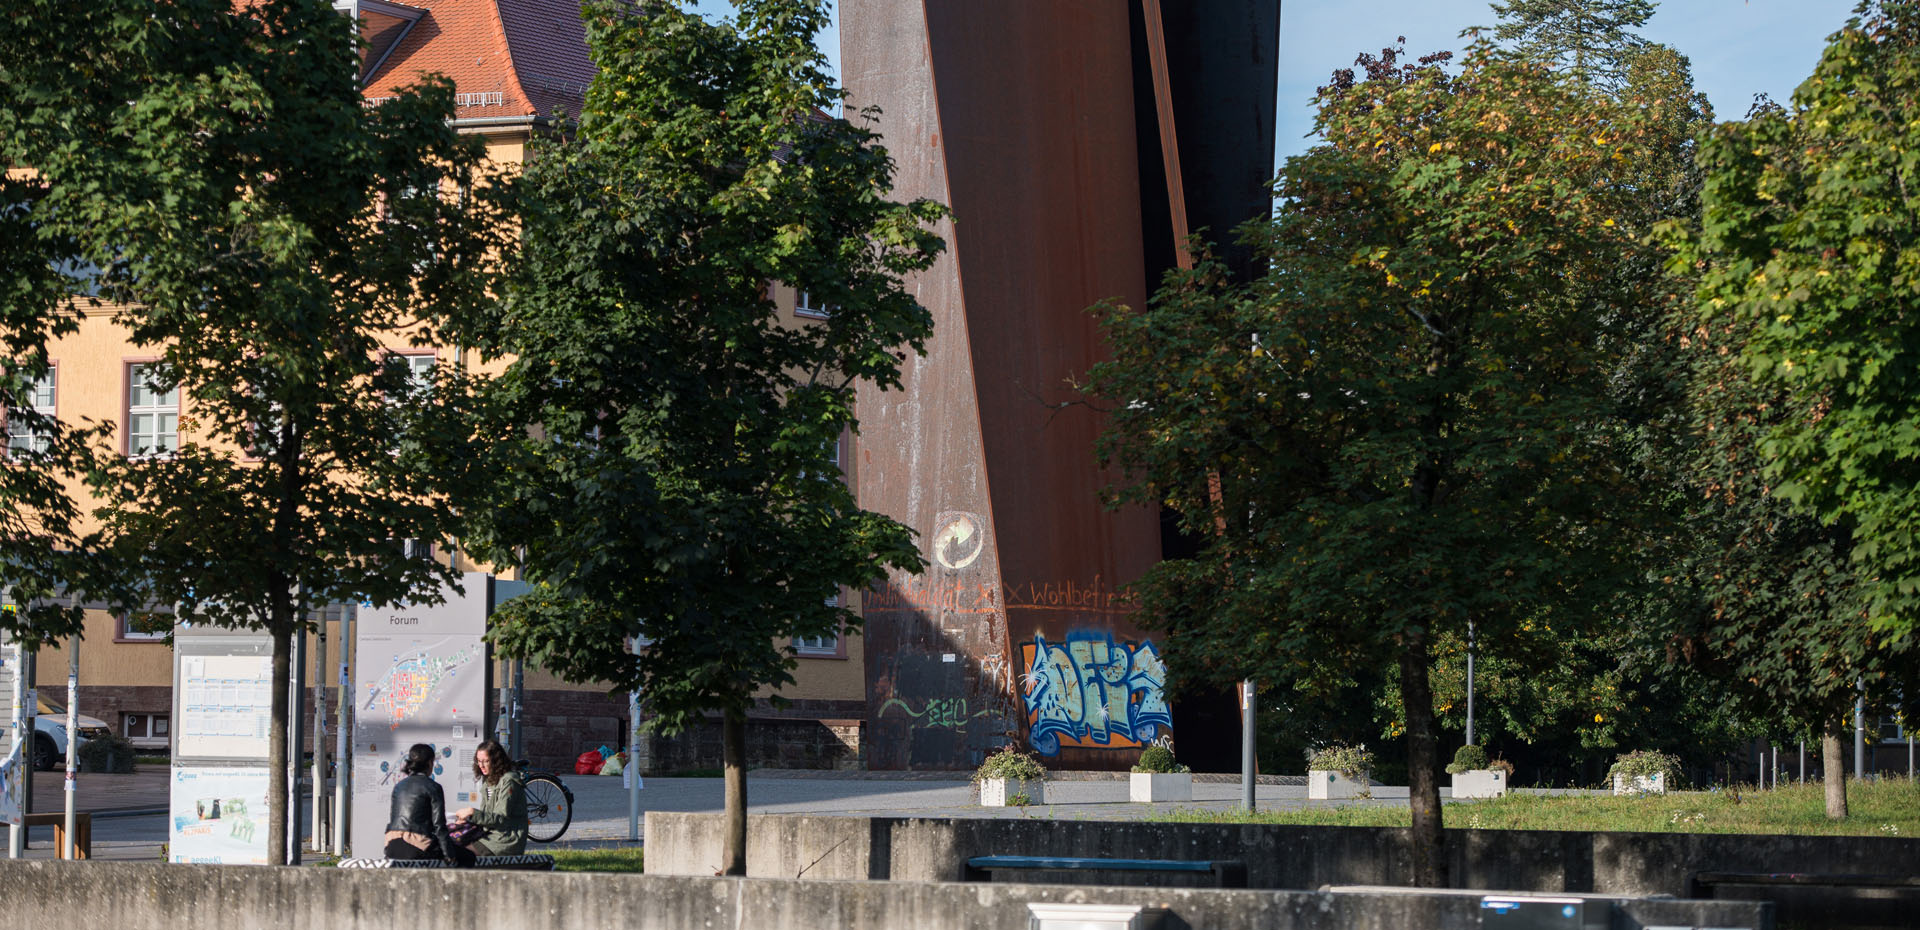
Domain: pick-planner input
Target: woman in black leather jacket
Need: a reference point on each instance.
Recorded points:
(417, 827)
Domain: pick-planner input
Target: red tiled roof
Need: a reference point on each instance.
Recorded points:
(505, 57)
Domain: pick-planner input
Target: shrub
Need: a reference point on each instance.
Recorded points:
(112, 754)
(1469, 758)
(1158, 760)
(1355, 762)
(1646, 763)
(1010, 764)
(1502, 766)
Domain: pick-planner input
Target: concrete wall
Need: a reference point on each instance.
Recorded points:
(789, 846)
(154, 896)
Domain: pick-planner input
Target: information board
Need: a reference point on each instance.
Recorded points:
(226, 708)
(217, 811)
(419, 676)
(218, 815)
(13, 766)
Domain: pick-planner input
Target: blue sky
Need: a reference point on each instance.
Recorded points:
(1739, 47)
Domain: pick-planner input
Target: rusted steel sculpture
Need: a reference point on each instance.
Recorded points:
(1076, 141)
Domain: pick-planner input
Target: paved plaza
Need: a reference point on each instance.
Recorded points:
(130, 819)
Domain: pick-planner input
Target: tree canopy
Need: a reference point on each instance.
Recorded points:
(1402, 411)
(296, 233)
(1808, 254)
(1591, 40)
(681, 490)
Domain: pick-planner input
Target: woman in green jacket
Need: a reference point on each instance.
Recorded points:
(503, 804)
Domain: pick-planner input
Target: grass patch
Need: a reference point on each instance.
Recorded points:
(611, 859)
(1889, 807)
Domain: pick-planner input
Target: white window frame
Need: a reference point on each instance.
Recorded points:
(822, 647)
(417, 373)
(43, 399)
(161, 721)
(163, 408)
(125, 633)
(803, 306)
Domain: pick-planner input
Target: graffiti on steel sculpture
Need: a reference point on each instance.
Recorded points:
(1093, 692)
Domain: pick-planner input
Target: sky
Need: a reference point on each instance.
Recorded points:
(1739, 47)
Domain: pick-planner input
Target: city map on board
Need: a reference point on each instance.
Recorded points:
(419, 678)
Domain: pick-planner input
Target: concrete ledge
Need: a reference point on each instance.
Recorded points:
(936, 849)
(155, 896)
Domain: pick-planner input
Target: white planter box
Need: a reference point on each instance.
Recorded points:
(1640, 784)
(994, 792)
(1480, 783)
(1155, 786)
(1323, 785)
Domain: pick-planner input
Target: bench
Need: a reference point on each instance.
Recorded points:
(529, 863)
(1704, 882)
(1227, 873)
(82, 831)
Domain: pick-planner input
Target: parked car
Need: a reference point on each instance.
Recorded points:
(50, 734)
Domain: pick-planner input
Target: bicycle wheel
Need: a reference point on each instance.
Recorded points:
(549, 808)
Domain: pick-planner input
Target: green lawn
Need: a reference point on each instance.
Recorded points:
(1882, 808)
(620, 859)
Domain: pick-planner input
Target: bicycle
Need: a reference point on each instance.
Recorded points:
(549, 804)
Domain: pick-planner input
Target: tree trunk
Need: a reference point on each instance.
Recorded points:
(733, 738)
(277, 749)
(1836, 767)
(1429, 836)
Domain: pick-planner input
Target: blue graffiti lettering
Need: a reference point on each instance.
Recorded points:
(1093, 692)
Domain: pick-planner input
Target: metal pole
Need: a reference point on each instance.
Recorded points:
(1775, 767)
(21, 743)
(322, 835)
(633, 765)
(519, 701)
(1246, 745)
(1470, 683)
(1860, 729)
(296, 743)
(342, 756)
(30, 670)
(72, 782)
(1803, 762)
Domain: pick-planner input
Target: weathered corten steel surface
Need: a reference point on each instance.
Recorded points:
(1021, 116)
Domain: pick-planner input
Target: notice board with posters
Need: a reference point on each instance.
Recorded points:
(223, 711)
(14, 765)
(420, 675)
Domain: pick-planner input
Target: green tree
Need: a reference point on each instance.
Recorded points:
(268, 234)
(1784, 586)
(40, 556)
(1592, 40)
(1401, 411)
(1809, 254)
(681, 487)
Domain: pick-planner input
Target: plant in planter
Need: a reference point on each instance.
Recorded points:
(1339, 771)
(1159, 777)
(1475, 777)
(1011, 778)
(1644, 772)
